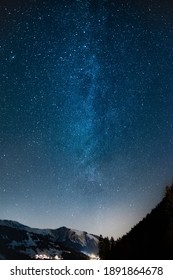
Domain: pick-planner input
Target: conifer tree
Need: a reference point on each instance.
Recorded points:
(101, 247)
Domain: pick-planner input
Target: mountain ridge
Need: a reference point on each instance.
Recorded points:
(46, 243)
(150, 238)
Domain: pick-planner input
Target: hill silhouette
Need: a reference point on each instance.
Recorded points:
(151, 238)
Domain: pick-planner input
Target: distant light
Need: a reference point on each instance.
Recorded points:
(46, 257)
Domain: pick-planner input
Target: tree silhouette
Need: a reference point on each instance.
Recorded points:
(151, 238)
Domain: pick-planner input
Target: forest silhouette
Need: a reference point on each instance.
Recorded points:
(150, 239)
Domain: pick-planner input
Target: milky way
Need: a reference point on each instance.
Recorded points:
(86, 119)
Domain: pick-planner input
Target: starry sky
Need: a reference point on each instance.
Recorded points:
(86, 112)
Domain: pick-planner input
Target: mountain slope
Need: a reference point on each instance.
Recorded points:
(152, 238)
(18, 241)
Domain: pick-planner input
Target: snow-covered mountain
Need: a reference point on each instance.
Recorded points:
(18, 241)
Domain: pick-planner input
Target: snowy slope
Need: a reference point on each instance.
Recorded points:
(20, 241)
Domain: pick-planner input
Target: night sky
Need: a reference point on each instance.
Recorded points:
(86, 112)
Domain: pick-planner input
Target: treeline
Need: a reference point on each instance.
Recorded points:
(106, 247)
(151, 238)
